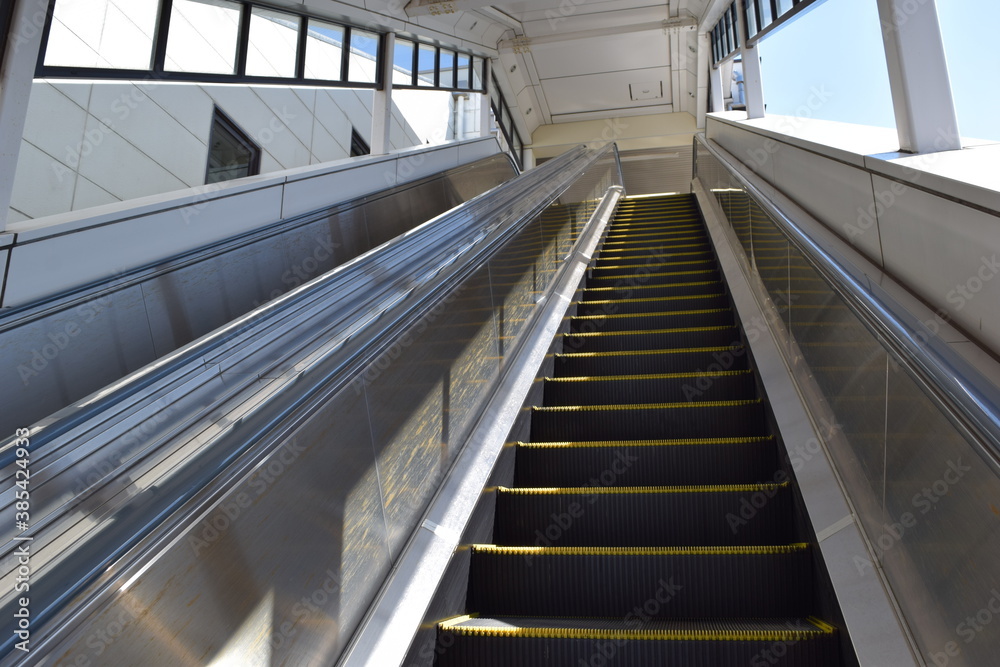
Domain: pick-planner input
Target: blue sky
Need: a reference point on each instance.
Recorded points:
(838, 46)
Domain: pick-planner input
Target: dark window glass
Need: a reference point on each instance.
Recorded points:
(231, 153)
(358, 145)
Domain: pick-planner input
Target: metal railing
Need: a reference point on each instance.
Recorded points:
(913, 426)
(120, 478)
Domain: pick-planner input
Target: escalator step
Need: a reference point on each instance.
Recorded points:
(700, 582)
(644, 303)
(699, 419)
(631, 277)
(651, 516)
(635, 640)
(660, 388)
(611, 267)
(651, 339)
(696, 461)
(645, 257)
(670, 289)
(686, 317)
(645, 362)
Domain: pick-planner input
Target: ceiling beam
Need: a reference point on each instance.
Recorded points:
(416, 8)
(669, 26)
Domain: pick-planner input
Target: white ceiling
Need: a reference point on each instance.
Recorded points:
(564, 76)
(562, 60)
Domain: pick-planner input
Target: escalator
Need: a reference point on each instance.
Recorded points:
(652, 518)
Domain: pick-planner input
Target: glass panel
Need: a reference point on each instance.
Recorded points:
(324, 50)
(784, 6)
(102, 33)
(274, 40)
(203, 36)
(230, 153)
(765, 13)
(424, 402)
(855, 91)
(752, 17)
(363, 59)
(463, 71)
(447, 69)
(402, 63)
(735, 22)
(426, 65)
(477, 72)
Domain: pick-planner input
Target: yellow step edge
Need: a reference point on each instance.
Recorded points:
(631, 353)
(678, 442)
(686, 405)
(763, 550)
(639, 490)
(667, 255)
(638, 634)
(697, 283)
(651, 376)
(677, 297)
(700, 311)
(659, 274)
(592, 334)
(650, 264)
(704, 244)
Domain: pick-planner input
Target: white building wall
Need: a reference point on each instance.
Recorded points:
(88, 143)
(92, 143)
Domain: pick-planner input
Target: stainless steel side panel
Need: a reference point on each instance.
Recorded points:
(111, 326)
(920, 484)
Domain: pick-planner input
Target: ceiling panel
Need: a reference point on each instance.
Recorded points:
(600, 92)
(613, 53)
(543, 10)
(576, 22)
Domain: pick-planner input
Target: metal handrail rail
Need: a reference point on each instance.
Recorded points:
(371, 297)
(958, 387)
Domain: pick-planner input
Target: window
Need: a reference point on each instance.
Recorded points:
(231, 153)
(359, 146)
(214, 41)
(274, 39)
(324, 51)
(402, 63)
(102, 34)
(426, 65)
(190, 48)
(363, 56)
(463, 72)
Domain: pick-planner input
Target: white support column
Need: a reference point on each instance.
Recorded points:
(752, 86)
(704, 65)
(484, 101)
(718, 98)
(918, 76)
(382, 106)
(23, 43)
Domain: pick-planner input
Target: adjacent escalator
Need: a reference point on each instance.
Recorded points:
(651, 519)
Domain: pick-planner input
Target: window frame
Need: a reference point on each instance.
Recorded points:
(157, 70)
(221, 119)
